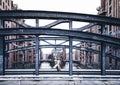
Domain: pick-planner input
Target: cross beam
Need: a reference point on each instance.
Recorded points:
(59, 32)
(86, 27)
(59, 15)
(54, 23)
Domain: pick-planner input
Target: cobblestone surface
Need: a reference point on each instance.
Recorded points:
(59, 82)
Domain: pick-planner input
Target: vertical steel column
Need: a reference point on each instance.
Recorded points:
(1, 23)
(2, 60)
(116, 61)
(7, 55)
(86, 59)
(55, 51)
(2, 67)
(37, 50)
(103, 49)
(23, 58)
(70, 52)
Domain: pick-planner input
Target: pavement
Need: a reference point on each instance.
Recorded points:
(59, 82)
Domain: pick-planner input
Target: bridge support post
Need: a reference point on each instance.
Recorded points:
(103, 59)
(2, 67)
(1, 23)
(103, 48)
(70, 52)
(23, 59)
(70, 57)
(37, 56)
(7, 56)
(86, 59)
(116, 61)
(37, 51)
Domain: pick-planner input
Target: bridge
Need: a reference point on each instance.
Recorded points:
(66, 35)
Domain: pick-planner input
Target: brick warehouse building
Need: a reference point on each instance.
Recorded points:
(15, 59)
(110, 8)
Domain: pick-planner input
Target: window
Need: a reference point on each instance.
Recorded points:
(12, 4)
(3, 5)
(0, 2)
(110, 28)
(110, 1)
(110, 10)
(8, 2)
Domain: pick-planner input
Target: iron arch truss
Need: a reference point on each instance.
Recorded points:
(69, 35)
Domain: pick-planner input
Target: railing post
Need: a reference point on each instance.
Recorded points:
(103, 55)
(70, 52)
(23, 58)
(2, 61)
(1, 23)
(7, 55)
(86, 59)
(116, 61)
(37, 51)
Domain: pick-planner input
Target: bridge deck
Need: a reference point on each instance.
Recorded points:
(62, 72)
(61, 77)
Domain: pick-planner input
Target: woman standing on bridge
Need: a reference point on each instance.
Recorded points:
(57, 65)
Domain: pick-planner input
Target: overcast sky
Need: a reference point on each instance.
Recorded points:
(79, 6)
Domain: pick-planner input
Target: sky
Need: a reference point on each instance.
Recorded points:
(79, 6)
(76, 6)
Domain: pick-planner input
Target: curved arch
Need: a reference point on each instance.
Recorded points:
(30, 14)
(59, 32)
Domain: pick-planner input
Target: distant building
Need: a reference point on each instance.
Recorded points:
(17, 58)
(110, 8)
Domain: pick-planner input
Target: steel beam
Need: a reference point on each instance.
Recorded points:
(52, 46)
(19, 49)
(1, 23)
(54, 38)
(103, 59)
(59, 15)
(48, 38)
(2, 67)
(103, 54)
(47, 42)
(61, 46)
(7, 55)
(95, 73)
(19, 40)
(59, 32)
(86, 58)
(37, 56)
(70, 51)
(18, 22)
(63, 42)
(37, 61)
(85, 27)
(54, 23)
(116, 60)
(46, 26)
(23, 58)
